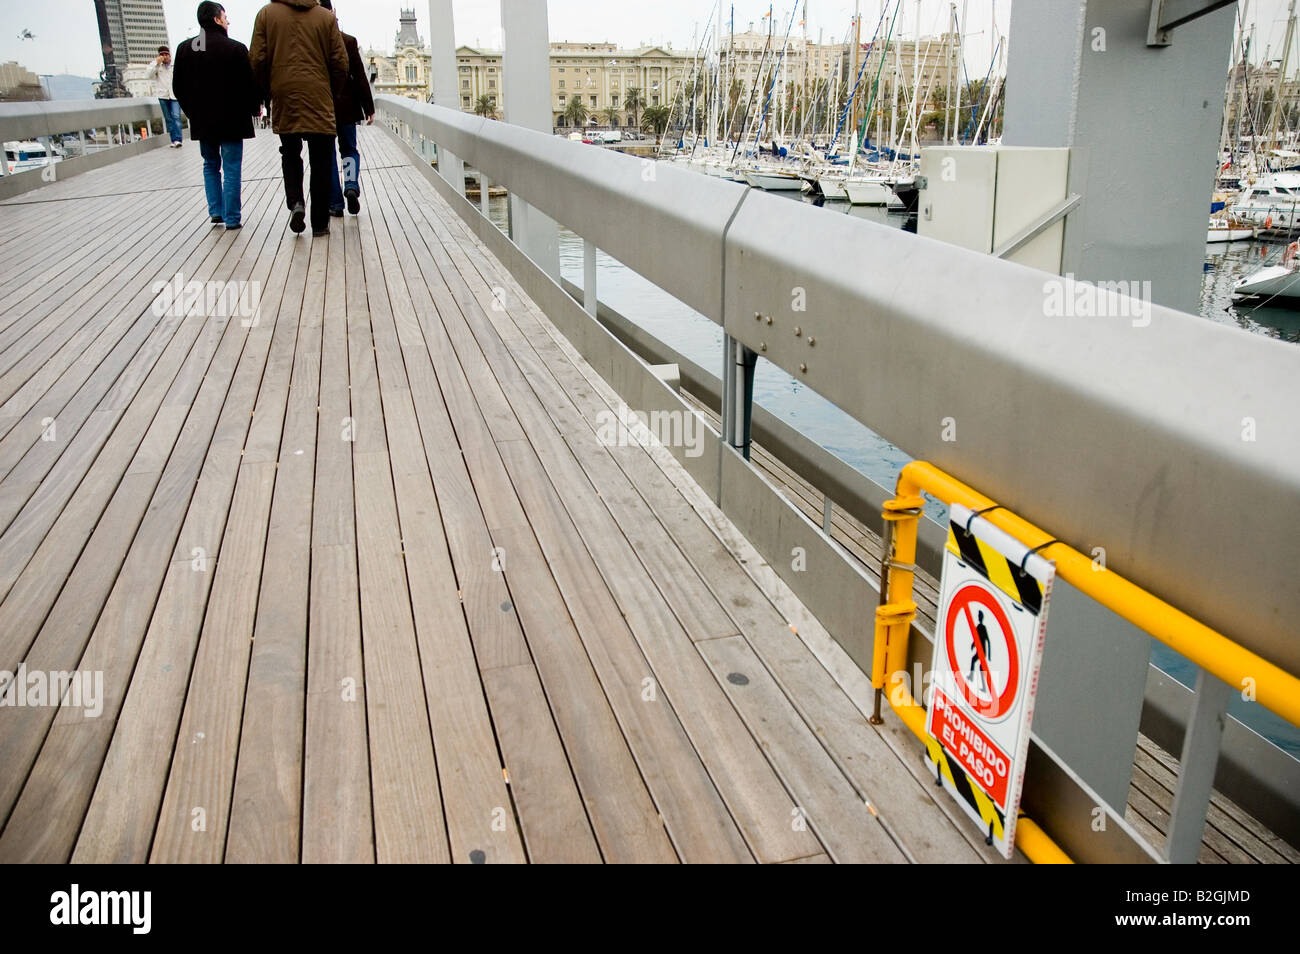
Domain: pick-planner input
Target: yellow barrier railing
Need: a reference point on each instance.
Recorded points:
(1273, 687)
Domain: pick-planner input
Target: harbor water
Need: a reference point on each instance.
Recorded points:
(698, 338)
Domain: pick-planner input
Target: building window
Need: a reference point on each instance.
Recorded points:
(411, 73)
(593, 102)
(492, 84)
(561, 84)
(464, 101)
(464, 84)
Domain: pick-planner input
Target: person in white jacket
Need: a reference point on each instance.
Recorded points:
(160, 73)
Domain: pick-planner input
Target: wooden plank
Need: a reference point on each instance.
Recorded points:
(694, 813)
(266, 805)
(843, 822)
(480, 819)
(626, 822)
(191, 824)
(553, 822)
(338, 821)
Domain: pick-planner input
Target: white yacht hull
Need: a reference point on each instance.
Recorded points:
(1272, 280)
(1230, 235)
(773, 181)
(869, 193)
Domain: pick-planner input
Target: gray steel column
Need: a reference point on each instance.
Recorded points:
(1196, 768)
(526, 77)
(1143, 124)
(589, 278)
(446, 85)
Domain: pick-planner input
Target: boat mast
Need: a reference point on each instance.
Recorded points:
(1281, 74)
(915, 112)
(853, 71)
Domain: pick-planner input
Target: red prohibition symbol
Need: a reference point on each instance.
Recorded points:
(960, 608)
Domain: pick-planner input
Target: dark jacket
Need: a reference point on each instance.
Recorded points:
(214, 84)
(298, 56)
(355, 103)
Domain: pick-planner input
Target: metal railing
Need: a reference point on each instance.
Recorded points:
(111, 124)
(1167, 443)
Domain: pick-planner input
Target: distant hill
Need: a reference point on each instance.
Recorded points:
(66, 86)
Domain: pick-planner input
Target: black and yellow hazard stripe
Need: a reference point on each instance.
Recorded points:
(997, 569)
(968, 791)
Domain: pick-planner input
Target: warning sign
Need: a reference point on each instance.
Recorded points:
(987, 651)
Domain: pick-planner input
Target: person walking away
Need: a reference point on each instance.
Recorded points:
(354, 104)
(297, 56)
(160, 74)
(214, 84)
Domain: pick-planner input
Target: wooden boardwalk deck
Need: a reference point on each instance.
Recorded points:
(362, 582)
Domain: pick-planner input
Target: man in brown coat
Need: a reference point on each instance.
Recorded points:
(298, 56)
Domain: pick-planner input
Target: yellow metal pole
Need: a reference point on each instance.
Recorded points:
(1273, 687)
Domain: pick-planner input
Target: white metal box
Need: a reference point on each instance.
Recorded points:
(979, 197)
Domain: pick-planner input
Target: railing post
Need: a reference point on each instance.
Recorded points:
(483, 186)
(737, 394)
(1196, 768)
(589, 277)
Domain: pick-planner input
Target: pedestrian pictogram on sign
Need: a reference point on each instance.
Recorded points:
(991, 625)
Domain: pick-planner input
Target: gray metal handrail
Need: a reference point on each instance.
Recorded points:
(36, 120)
(1167, 440)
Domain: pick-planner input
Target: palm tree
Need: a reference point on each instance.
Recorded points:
(486, 106)
(611, 115)
(576, 111)
(633, 100)
(655, 119)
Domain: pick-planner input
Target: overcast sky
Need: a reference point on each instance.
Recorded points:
(67, 39)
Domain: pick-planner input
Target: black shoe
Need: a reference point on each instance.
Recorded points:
(215, 220)
(298, 218)
(354, 204)
(336, 213)
(316, 233)
(231, 228)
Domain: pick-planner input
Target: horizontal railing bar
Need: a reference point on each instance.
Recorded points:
(19, 121)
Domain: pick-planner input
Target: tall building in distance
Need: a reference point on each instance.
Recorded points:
(130, 32)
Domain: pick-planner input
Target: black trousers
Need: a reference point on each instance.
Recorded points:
(320, 153)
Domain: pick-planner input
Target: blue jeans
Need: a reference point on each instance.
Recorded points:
(351, 166)
(223, 197)
(172, 117)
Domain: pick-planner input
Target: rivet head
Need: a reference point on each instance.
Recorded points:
(762, 346)
(803, 367)
(797, 331)
(758, 316)
(811, 341)
(769, 319)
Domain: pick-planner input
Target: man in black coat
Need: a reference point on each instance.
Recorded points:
(352, 104)
(214, 84)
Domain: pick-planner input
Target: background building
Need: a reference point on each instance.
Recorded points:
(130, 32)
(19, 84)
(600, 74)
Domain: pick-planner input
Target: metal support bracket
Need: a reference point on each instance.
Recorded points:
(1196, 768)
(738, 394)
(1068, 205)
(1168, 14)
